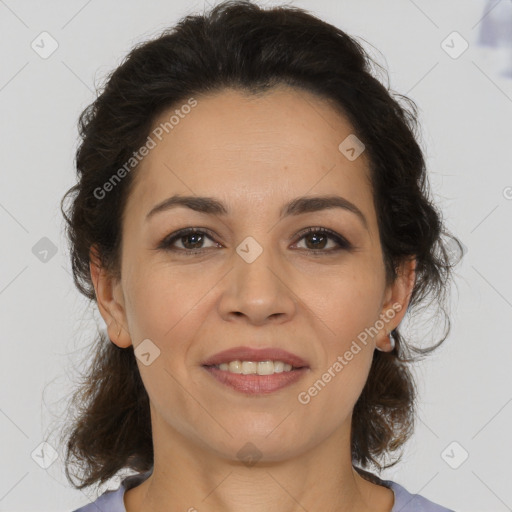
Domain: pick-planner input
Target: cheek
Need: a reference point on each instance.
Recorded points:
(160, 304)
(347, 302)
(333, 394)
(167, 309)
(350, 307)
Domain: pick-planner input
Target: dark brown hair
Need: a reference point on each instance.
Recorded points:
(240, 45)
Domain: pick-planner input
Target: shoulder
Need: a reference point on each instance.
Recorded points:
(113, 500)
(407, 502)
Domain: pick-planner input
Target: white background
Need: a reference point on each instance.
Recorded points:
(466, 116)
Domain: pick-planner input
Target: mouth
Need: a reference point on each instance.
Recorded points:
(256, 371)
(256, 367)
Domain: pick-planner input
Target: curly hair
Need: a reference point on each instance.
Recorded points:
(238, 44)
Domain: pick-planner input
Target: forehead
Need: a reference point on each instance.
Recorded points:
(243, 147)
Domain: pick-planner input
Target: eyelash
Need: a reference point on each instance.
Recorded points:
(166, 243)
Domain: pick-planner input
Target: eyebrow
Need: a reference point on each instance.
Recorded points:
(297, 206)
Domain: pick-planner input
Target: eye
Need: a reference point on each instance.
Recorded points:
(316, 239)
(192, 240)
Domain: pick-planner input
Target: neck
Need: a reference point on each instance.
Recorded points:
(188, 478)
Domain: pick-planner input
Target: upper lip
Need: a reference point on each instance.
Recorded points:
(255, 354)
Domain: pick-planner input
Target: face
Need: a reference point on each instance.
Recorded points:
(252, 276)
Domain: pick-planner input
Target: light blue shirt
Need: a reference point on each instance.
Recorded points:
(112, 501)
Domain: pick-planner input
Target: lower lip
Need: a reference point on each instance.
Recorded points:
(254, 384)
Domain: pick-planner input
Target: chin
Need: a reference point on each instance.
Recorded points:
(250, 445)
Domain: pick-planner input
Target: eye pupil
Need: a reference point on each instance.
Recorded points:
(316, 236)
(194, 244)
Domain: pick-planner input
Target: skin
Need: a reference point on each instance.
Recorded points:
(254, 154)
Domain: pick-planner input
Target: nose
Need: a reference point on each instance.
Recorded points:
(258, 292)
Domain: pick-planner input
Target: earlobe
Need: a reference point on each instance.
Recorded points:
(121, 338)
(389, 344)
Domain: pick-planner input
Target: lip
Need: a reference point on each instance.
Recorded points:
(256, 355)
(256, 384)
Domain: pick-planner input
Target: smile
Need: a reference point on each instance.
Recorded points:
(252, 383)
(255, 371)
(255, 367)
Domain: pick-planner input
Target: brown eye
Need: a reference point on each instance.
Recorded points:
(317, 240)
(191, 239)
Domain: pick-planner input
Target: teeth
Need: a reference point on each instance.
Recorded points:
(233, 366)
(279, 367)
(252, 367)
(249, 367)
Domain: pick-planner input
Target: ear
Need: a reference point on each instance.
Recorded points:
(110, 300)
(396, 301)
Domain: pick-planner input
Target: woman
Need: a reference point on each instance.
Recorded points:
(252, 219)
